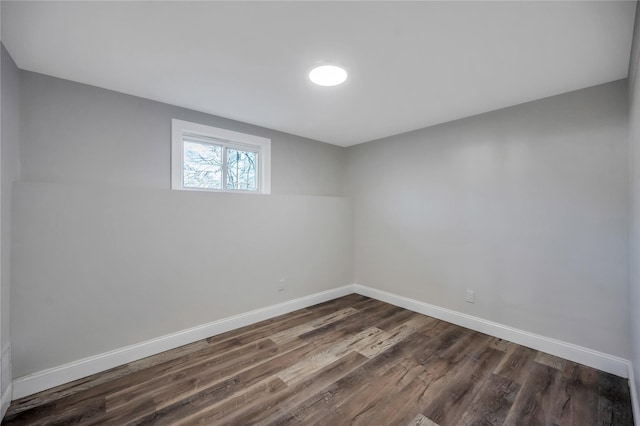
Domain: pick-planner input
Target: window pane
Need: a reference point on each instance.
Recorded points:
(241, 170)
(202, 165)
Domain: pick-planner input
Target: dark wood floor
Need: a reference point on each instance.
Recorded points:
(352, 360)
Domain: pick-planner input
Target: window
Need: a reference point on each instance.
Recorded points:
(206, 158)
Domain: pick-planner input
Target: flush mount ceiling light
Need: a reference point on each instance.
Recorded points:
(328, 75)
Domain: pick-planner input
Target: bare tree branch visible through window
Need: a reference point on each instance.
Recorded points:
(203, 167)
(241, 170)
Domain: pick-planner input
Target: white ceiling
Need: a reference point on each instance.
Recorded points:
(411, 64)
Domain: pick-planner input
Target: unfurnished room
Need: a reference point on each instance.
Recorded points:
(320, 213)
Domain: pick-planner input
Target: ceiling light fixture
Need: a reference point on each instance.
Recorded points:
(328, 75)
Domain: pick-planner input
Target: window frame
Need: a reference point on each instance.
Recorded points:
(227, 139)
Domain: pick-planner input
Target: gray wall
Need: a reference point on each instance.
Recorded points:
(10, 171)
(98, 268)
(74, 133)
(634, 142)
(106, 255)
(527, 206)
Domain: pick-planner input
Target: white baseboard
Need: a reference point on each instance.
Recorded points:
(601, 361)
(5, 401)
(635, 403)
(5, 380)
(47, 379)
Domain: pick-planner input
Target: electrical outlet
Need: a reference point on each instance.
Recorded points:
(471, 296)
(282, 286)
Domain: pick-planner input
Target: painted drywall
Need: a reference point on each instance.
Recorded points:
(526, 206)
(634, 156)
(10, 171)
(105, 255)
(99, 268)
(76, 133)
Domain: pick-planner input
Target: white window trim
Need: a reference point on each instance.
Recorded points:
(179, 128)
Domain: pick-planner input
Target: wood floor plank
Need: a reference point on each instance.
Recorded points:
(294, 332)
(421, 420)
(210, 370)
(435, 360)
(271, 326)
(310, 364)
(410, 403)
(371, 407)
(355, 301)
(441, 363)
(179, 397)
(392, 318)
(613, 392)
(198, 374)
(501, 344)
(361, 401)
(263, 328)
(448, 406)
(230, 340)
(320, 403)
(340, 303)
(366, 318)
(266, 411)
(99, 384)
(532, 405)
(384, 406)
(356, 343)
(451, 343)
(413, 347)
(492, 404)
(234, 377)
(550, 360)
(516, 363)
(179, 402)
(207, 407)
(352, 360)
(396, 335)
(152, 367)
(92, 409)
(576, 401)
